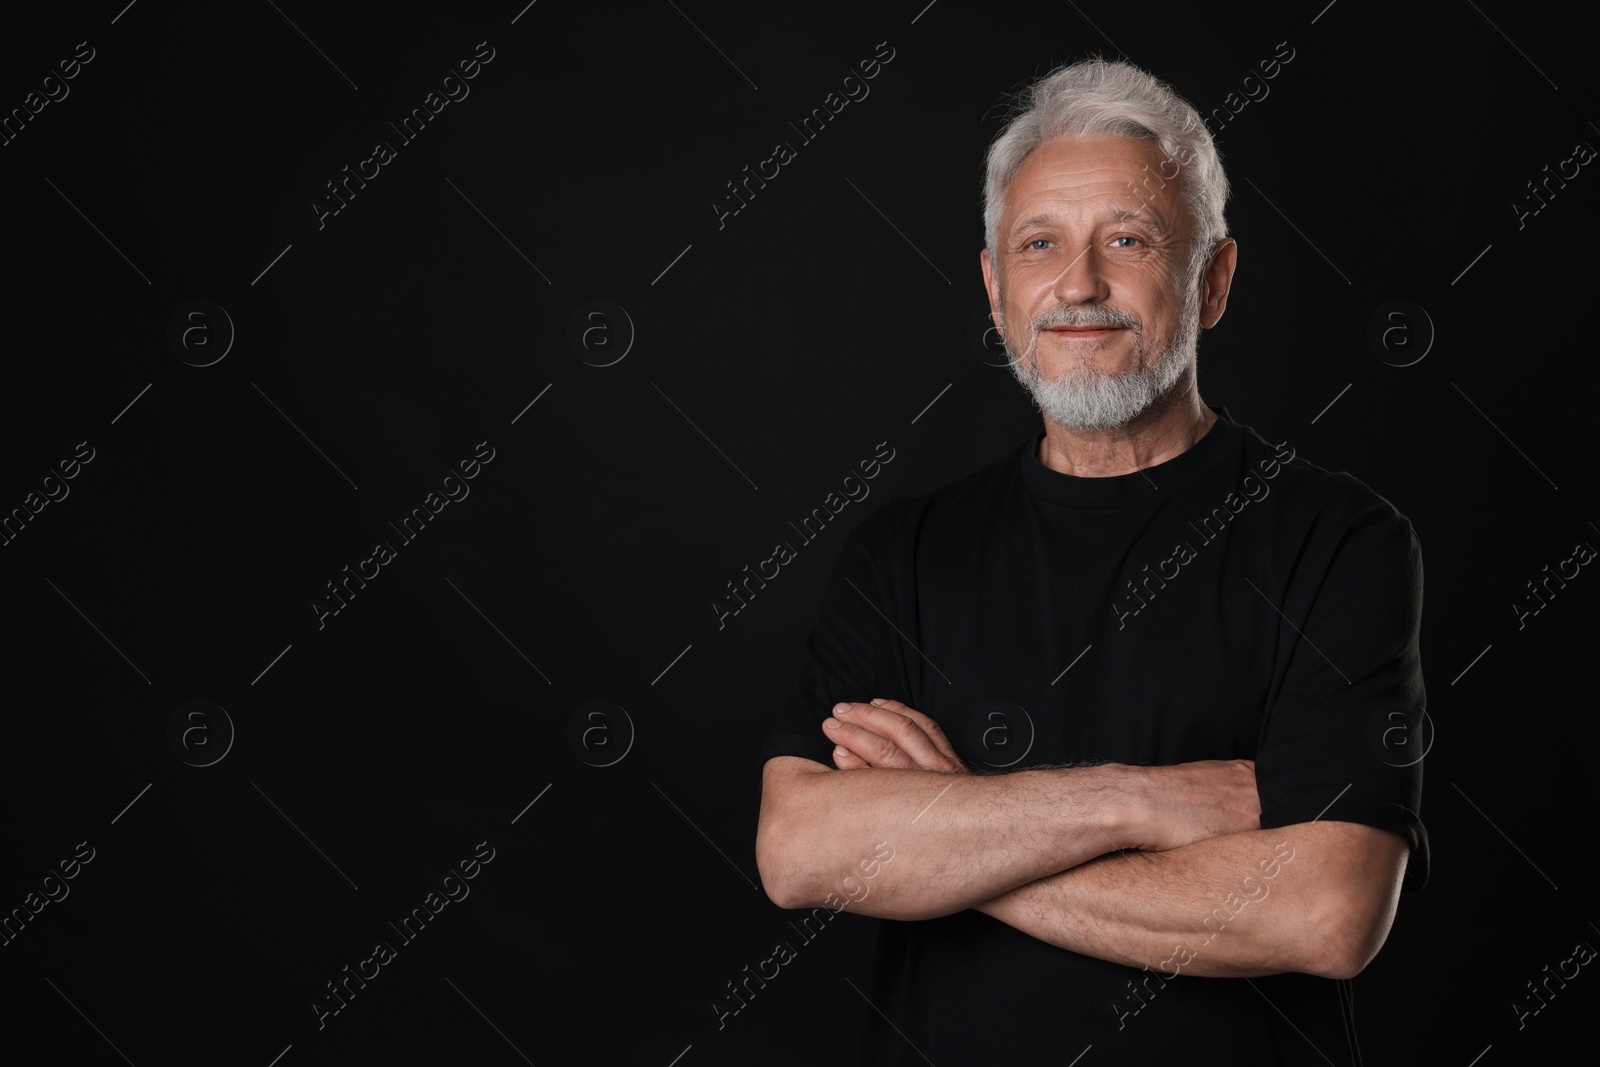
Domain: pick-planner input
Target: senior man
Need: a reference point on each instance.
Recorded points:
(1176, 656)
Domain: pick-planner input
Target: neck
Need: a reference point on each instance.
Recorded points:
(1166, 429)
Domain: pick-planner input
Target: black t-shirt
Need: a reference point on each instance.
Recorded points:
(1233, 602)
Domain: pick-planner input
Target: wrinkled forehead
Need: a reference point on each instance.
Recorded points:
(1102, 177)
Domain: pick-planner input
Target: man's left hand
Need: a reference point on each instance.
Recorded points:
(887, 733)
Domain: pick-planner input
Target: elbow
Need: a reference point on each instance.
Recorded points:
(780, 885)
(778, 862)
(1350, 905)
(786, 895)
(1349, 940)
(1338, 963)
(786, 851)
(1352, 957)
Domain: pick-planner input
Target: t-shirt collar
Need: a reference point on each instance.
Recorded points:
(1146, 485)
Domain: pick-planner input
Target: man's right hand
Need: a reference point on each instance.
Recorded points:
(1189, 802)
(889, 733)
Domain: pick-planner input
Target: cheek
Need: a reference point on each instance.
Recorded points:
(1149, 294)
(1152, 279)
(1025, 292)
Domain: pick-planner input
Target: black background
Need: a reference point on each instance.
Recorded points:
(823, 318)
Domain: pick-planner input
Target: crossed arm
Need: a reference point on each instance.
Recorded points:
(1159, 867)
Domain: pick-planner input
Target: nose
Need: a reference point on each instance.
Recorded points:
(1082, 279)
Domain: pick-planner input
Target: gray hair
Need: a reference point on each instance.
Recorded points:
(1093, 97)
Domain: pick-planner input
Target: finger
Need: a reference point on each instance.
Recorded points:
(874, 752)
(935, 732)
(874, 748)
(846, 760)
(903, 732)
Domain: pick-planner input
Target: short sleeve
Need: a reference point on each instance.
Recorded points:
(849, 653)
(1346, 730)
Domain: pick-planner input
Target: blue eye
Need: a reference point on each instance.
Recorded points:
(1124, 238)
(1037, 241)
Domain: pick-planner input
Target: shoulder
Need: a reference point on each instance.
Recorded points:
(1331, 502)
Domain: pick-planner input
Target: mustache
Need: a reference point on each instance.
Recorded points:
(1084, 315)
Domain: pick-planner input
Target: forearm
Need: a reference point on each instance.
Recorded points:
(956, 840)
(1313, 898)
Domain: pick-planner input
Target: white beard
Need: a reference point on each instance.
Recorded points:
(1085, 398)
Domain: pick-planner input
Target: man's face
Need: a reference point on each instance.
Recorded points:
(1092, 287)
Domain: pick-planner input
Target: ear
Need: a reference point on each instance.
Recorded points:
(991, 284)
(1215, 281)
